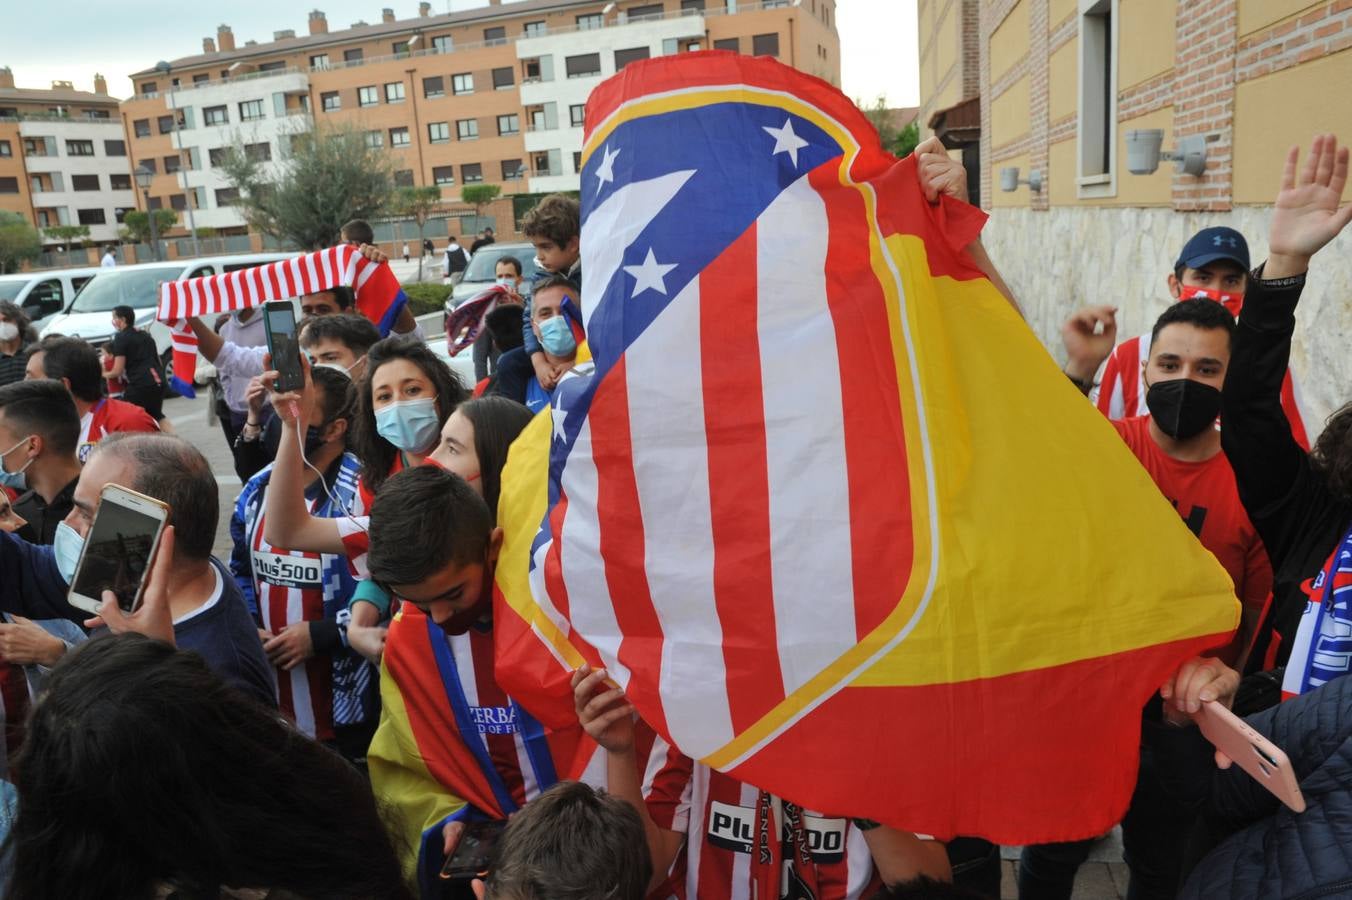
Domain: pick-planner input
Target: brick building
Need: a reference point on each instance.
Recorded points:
(493, 94)
(1060, 85)
(63, 157)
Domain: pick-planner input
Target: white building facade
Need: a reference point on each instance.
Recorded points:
(77, 172)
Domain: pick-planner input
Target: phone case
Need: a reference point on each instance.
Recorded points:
(1265, 762)
(285, 352)
(91, 604)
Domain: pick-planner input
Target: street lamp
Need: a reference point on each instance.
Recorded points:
(189, 199)
(143, 178)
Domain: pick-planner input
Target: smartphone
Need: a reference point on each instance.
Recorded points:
(279, 318)
(118, 549)
(1252, 752)
(474, 853)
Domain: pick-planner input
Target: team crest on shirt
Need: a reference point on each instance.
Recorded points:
(83, 451)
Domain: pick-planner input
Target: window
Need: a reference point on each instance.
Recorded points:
(765, 44)
(400, 48)
(119, 182)
(467, 129)
(732, 44)
(199, 198)
(443, 174)
(577, 161)
(1098, 104)
(462, 83)
(535, 29)
(79, 148)
(149, 87)
(398, 137)
(165, 124)
(251, 110)
(471, 173)
(120, 213)
(141, 128)
(645, 12)
(97, 114)
(503, 79)
(496, 35)
(150, 164)
(319, 61)
(172, 164)
(352, 55)
(194, 160)
(434, 87)
(509, 124)
(375, 139)
(692, 6)
(583, 66)
(178, 202)
(511, 170)
(39, 146)
(577, 114)
(394, 92)
(201, 78)
(259, 152)
(215, 115)
(227, 196)
(216, 156)
(84, 182)
(110, 148)
(591, 20)
(277, 66)
(403, 178)
(7, 149)
(368, 96)
(9, 185)
(330, 101)
(438, 132)
(91, 216)
(155, 203)
(625, 57)
(442, 44)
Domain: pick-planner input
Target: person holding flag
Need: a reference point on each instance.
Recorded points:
(556, 322)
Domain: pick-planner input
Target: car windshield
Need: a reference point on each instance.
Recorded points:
(137, 288)
(10, 289)
(486, 260)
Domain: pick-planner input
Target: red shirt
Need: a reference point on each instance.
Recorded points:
(107, 417)
(1205, 495)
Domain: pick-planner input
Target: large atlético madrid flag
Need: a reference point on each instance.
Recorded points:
(378, 296)
(825, 509)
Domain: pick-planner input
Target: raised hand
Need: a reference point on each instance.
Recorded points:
(1089, 336)
(938, 173)
(1305, 215)
(152, 618)
(605, 714)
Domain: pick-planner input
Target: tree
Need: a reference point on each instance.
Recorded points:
(479, 195)
(329, 176)
(66, 234)
(417, 203)
(898, 142)
(136, 224)
(19, 241)
(906, 140)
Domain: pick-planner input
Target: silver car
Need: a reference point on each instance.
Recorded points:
(482, 271)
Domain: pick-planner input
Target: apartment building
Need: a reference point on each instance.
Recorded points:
(488, 95)
(1066, 94)
(63, 157)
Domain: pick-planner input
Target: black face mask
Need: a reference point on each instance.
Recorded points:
(1183, 408)
(314, 439)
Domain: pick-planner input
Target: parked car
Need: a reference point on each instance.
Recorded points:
(42, 295)
(90, 314)
(462, 364)
(482, 271)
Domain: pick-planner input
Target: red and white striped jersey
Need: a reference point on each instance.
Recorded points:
(356, 541)
(1121, 391)
(740, 841)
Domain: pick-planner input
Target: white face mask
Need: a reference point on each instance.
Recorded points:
(508, 282)
(8, 331)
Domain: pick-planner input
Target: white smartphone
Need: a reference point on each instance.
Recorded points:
(118, 549)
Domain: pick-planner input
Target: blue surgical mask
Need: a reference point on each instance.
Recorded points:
(16, 480)
(411, 425)
(556, 337)
(508, 282)
(67, 545)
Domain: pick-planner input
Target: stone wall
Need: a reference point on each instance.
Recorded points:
(1063, 258)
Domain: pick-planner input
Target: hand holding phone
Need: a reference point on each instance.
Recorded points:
(473, 853)
(118, 549)
(1252, 752)
(279, 318)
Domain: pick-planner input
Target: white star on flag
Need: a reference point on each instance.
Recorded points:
(786, 141)
(649, 275)
(558, 415)
(606, 171)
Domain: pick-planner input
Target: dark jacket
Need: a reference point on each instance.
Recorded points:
(1297, 516)
(1276, 853)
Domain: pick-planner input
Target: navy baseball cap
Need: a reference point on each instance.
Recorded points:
(1211, 244)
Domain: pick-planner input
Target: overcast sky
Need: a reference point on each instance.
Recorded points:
(72, 39)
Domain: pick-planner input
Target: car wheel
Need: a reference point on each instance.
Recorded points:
(167, 362)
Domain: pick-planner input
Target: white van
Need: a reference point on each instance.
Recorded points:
(42, 295)
(90, 315)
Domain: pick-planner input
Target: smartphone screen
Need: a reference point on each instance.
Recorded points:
(474, 853)
(282, 344)
(117, 553)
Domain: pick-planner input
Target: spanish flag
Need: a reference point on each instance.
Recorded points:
(825, 508)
